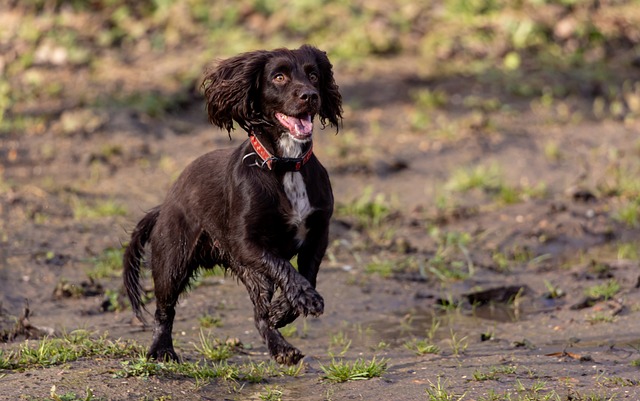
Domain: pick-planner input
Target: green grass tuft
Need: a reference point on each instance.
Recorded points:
(97, 209)
(214, 349)
(108, 264)
(422, 347)
(71, 347)
(438, 392)
(605, 291)
(360, 369)
(368, 210)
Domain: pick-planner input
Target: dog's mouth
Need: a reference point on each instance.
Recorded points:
(299, 128)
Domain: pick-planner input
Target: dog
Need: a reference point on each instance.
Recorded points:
(249, 209)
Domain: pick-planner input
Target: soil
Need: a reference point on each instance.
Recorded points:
(567, 237)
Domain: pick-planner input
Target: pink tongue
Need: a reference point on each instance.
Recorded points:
(302, 126)
(297, 126)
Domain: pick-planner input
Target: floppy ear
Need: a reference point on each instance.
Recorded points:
(331, 100)
(231, 91)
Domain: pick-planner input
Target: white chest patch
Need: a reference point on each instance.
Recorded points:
(295, 189)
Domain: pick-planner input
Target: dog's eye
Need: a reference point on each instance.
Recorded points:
(279, 78)
(313, 77)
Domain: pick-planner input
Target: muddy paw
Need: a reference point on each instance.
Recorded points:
(288, 356)
(281, 313)
(308, 302)
(163, 355)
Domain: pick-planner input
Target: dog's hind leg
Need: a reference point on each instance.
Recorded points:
(172, 267)
(261, 291)
(167, 290)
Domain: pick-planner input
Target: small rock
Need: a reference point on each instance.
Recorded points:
(583, 195)
(384, 168)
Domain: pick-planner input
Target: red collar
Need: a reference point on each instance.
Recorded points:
(279, 163)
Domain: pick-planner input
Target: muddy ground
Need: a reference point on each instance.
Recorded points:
(546, 227)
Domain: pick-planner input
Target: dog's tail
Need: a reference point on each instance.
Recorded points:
(132, 259)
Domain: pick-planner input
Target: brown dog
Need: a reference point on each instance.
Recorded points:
(252, 208)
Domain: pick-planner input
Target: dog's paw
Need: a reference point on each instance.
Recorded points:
(287, 356)
(308, 302)
(163, 355)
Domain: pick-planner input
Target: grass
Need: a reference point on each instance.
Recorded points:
(339, 371)
(458, 345)
(629, 213)
(603, 291)
(454, 271)
(70, 347)
(534, 394)
(426, 345)
(202, 274)
(600, 317)
(140, 367)
(208, 321)
(452, 261)
(70, 396)
(438, 392)
(204, 371)
(153, 104)
(490, 180)
(271, 393)
(96, 209)
(506, 260)
(422, 347)
(425, 101)
(341, 341)
(486, 178)
(502, 261)
(65, 289)
(216, 350)
(628, 250)
(383, 268)
(553, 291)
(616, 381)
(107, 264)
(116, 301)
(494, 373)
(369, 211)
(621, 180)
(289, 330)
(449, 305)
(553, 152)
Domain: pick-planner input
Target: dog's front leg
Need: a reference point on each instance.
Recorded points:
(309, 259)
(261, 291)
(298, 291)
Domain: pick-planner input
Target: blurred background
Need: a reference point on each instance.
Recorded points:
(63, 54)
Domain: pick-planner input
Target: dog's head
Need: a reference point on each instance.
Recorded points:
(276, 91)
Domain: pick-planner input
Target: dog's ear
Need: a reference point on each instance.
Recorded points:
(331, 100)
(231, 90)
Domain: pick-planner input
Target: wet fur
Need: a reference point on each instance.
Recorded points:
(252, 221)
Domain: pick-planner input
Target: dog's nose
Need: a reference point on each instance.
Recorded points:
(309, 96)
